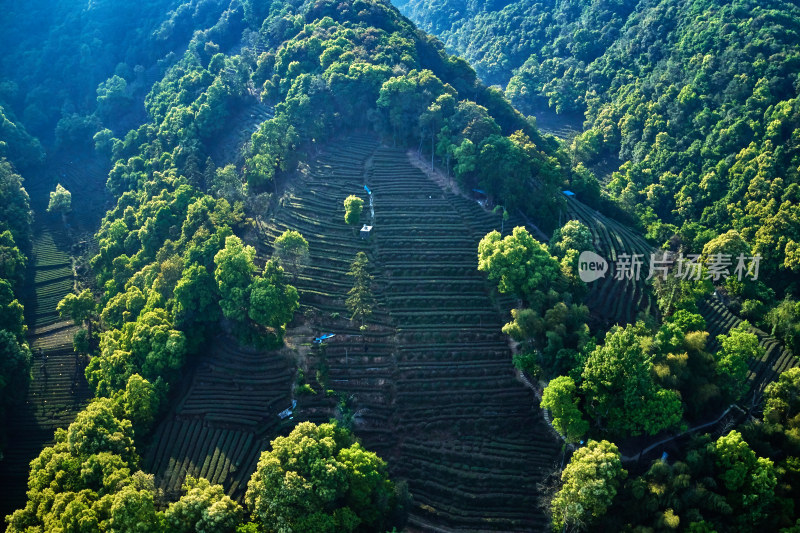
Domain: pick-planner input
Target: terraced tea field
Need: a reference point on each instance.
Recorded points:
(58, 390)
(776, 360)
(564, 127)
(51, 279)
(223, 420)
(614, 301)
(431, 383)
(244, 122)
(86, 178)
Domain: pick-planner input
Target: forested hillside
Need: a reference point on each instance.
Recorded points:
(297, 268)
(204, 112)
(15, 235)
(697, 100)
(691, 119)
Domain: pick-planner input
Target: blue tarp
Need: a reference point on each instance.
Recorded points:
(568, 193)
(325, 337)
(367, 189)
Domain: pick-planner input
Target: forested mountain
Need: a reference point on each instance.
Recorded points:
(15, 354)
(172, 268)
(698, 101)
(266, 219)
(693, 106)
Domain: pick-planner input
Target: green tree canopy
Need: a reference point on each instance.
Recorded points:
(749, 480)
(406, 97)
(521, 264)
(560, 398)
(60, 201)
(320, 479)
(12, 260)
(234, 274)
(271, 150)
(15, 209)
(196, 300)
(730, 243)
(589, 484)
(618, 385)
(204, 508)
(133, 511)
(12, 314)
(737, 349)
(96, 429)
(782, 402)
(785, 322)
(149, 346)
(352, 210)
(574, 235)
(140, 402)
(78, 307)
(360, 299)
(272, 300)
(291, 249)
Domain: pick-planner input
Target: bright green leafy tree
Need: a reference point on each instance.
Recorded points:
(619, 388)
(560, 398)
(204, 508)
(291, 248)
(78, 307)
(737, 349)
(234, 274)
(352, 209)
(320, 479)
(521, 264)
(60, 201)
(589, 484)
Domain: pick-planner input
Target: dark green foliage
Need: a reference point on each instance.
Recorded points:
(273, 301)
(360, 299)
(12, 317)
(196, 306)
(15, 220)
(722, 485)
(15, 365)
(12, 260)
(15, 209)
(272, 150)
(16, 144)
(59, 55)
